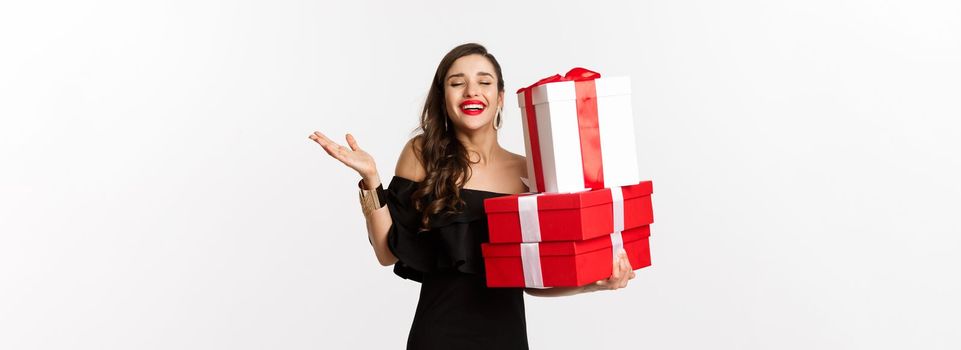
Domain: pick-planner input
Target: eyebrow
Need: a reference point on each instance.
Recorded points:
(461, 75)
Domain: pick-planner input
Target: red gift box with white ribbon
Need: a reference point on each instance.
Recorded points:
(563, 264)
(558, 234)
(547, 217)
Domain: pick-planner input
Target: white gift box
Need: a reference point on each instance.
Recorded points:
(566, 135)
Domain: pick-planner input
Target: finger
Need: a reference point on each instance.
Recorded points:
(323, 138)
(628, 271)
(352, 142)
(324, 145)
(327, 146)
(620, 259)
(331, 147)
(632, 275)
(316, 139)
(334, 150)
(606, 284)
(623, 273)
(616, 270)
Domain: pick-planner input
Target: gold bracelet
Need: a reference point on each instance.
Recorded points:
(370, 199)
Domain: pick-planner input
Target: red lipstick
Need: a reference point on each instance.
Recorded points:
(472, 107)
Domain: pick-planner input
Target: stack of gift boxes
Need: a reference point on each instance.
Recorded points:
(587, 201)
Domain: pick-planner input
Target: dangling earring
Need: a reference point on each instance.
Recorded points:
(498, 120)
(446, 129)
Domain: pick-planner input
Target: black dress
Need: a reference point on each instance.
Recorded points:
(456, 310)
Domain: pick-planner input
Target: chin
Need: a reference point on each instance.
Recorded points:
(473, 127)
(473, 123)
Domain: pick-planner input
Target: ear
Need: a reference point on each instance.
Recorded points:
(500, 98)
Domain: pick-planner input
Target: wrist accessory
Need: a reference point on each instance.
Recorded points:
(371, 200)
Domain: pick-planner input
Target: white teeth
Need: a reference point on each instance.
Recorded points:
(473, 106)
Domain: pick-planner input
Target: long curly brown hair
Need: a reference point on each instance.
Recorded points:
(445, 159)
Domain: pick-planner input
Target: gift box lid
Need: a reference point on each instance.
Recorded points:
(565, 91)
(564, 248)
(575, 200)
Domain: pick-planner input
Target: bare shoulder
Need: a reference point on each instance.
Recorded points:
(409, 165)
(518, 163)
(517, 167)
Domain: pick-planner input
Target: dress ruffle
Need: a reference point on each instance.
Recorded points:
(453, 242)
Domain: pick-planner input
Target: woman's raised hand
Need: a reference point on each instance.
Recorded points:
(621, 274)
(353, 157)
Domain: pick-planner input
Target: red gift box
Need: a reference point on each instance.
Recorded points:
(567, 216)
(563, 264)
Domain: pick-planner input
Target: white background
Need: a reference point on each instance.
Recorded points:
(158, 190)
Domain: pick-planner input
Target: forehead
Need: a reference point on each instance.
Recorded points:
(471, 65)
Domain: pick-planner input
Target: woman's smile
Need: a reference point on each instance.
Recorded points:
(472, 107)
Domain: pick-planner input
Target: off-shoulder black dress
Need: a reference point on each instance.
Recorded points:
(456, 310)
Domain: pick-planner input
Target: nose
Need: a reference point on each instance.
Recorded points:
(472, 90)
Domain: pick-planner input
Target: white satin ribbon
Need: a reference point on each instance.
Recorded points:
(617, 199)
(530, 222)
(530, 235)
(531, 262)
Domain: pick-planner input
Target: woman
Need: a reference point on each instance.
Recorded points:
(430, 221)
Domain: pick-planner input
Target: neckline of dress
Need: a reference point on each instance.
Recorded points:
(462, 188)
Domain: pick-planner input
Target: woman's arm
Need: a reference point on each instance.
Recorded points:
(378, 221)
(378, 225)
(562, 291)
(622, 273)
